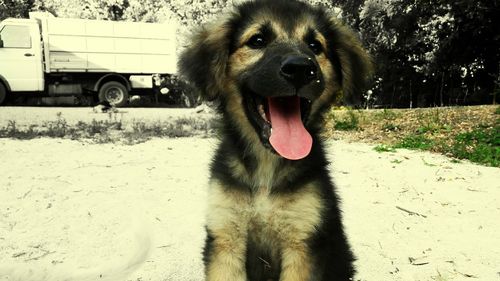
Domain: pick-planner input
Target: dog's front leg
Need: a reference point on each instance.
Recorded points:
(296, 264)
(227, 223)
(299, 217)
(226, 261)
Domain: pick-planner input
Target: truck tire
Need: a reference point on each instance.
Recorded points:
(113, 92)
(3, 93)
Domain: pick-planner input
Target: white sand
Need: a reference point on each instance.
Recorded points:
(68, 207)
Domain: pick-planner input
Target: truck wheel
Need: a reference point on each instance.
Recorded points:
(114, 92)
(3, 93)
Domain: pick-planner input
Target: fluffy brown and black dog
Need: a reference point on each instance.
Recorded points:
(275, 66)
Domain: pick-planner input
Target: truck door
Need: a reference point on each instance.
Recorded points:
(20, 58)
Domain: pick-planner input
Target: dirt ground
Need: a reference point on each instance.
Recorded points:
(68, 208)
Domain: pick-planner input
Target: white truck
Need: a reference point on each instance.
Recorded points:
(50, 56)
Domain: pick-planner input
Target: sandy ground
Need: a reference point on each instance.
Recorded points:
(68, 207)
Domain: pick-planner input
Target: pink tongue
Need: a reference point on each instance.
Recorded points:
(288, 136)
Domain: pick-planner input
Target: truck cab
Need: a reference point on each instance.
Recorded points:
(21, 67)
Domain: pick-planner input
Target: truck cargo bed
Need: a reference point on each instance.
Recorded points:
(76, 45)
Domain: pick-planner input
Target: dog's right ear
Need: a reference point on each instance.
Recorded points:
(204, 62)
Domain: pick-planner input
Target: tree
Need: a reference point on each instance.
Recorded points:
(15, 8)
(431, 52)
(148, 11)
(471, 50)
(350, 11)
(104, 9)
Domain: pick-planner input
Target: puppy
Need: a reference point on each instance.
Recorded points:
(275, 67)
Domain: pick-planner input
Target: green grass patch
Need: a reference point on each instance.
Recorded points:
(384, 148)
(387, 115)
(469, 132)
(391, 127)
(432, 122)
(481, 146)
(419, 142)
(347, 123)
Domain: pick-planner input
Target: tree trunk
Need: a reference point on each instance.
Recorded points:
(441, 90)
(411, 97)
(392, 96)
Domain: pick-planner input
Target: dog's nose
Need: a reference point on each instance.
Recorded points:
(299, 70)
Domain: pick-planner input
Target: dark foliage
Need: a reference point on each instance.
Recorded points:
(15, 8)
(431, 52)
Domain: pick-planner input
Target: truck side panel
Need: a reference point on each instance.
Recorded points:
(76, 45)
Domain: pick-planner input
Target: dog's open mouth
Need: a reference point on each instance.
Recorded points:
(281, 120)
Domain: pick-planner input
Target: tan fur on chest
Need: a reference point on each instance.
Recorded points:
(284, 216)
(275, 220)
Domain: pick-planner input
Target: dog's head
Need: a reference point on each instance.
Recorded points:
(276, 66)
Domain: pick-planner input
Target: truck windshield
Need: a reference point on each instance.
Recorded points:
(16, 36)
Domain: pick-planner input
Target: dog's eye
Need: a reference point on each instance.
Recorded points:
(315, 46)
(257, 42)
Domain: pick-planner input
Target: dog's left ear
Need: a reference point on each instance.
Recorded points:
(355, 65)
(204, 62)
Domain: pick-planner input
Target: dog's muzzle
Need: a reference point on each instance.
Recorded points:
(279, 91)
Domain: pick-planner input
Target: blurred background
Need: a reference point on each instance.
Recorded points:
(427, 53)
